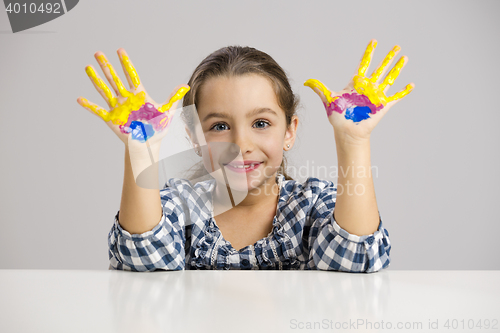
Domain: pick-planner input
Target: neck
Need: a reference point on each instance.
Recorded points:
(266, 193)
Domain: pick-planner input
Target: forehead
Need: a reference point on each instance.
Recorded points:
(236, 94)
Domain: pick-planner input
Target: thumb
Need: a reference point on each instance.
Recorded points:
(174, 97)
(319, 88)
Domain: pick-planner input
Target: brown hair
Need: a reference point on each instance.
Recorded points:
(234, 61)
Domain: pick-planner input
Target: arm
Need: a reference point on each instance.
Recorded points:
(353, 239)
(140, 208)
(354, 112)
(356, 208)
(159, 245)
(145, 235)
(140, 124)
(334, 249)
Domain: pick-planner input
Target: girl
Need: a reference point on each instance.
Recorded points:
(243, 99)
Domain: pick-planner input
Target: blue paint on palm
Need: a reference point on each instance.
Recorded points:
(357, 113)
(141, 131)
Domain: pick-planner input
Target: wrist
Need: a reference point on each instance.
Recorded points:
(142, 158)
(143, 151)
(345, 142)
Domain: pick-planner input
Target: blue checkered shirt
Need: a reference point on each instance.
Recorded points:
(305, 235)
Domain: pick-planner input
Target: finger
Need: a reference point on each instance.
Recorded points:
(384, 65)
(94, 108)
(319, 88)
(367, 57)
(393, 74)
(111, 74)
(179, 94)
(402, 93)
(100, 86)
(128, 69)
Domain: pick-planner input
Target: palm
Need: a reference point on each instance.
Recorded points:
(357, 109)
(133, 116)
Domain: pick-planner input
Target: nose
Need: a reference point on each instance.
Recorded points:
(243, 140)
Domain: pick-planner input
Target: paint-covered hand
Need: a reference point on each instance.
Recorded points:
(134, 117)
(356, 110)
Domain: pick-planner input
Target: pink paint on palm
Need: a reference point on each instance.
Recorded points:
(347, 101)
(149, 113)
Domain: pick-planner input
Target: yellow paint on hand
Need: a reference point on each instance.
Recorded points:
(312, 83)
(116, 79)
(369, 87)
(393, 74)
(178, 96)
(133, 102)
(375, 76)
(123, 107)
(130, 69)
(365, 61)
(365, 87)
(401, 94)
(96, 109)
(101, 85)
(120, 114)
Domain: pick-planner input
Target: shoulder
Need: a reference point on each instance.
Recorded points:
(311, 189)
(182, 192)
(313, 197)
(184, 187)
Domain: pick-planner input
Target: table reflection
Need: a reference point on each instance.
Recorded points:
(176, 301)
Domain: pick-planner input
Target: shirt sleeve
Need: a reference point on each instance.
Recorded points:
(161, 248)
(335, 249)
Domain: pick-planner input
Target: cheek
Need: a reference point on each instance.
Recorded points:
(272, 143)
(274, 150)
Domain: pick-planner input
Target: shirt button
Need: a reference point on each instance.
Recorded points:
(370, 240)
(245, 262)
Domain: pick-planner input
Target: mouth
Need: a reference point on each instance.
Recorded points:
(243, 167)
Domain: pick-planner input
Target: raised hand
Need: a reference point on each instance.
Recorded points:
(357, 109)
(133, 115)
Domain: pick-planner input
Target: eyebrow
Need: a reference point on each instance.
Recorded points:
(250, 114)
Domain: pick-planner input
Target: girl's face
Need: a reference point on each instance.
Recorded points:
(243, 110)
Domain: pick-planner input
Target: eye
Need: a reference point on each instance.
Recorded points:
(260, 122)
(217, 127)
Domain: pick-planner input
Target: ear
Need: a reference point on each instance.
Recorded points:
(191, 137)
(291, 132)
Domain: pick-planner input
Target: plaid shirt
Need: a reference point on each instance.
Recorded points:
(304, 236)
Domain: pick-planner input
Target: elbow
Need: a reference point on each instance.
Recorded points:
(367, 255)
(159, 249)
(140, 265)
(336, 249)
(345, 265)
(146, 260)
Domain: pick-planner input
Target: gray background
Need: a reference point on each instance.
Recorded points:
(436, 152)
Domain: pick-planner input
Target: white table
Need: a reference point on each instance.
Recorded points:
(247, 301)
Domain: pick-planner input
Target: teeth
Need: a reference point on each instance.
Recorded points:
(245, 166)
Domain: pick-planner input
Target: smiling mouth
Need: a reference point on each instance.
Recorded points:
(242, 168)
(245, 166)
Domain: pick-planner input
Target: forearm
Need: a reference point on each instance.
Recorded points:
(140, 208)
(356, 208)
